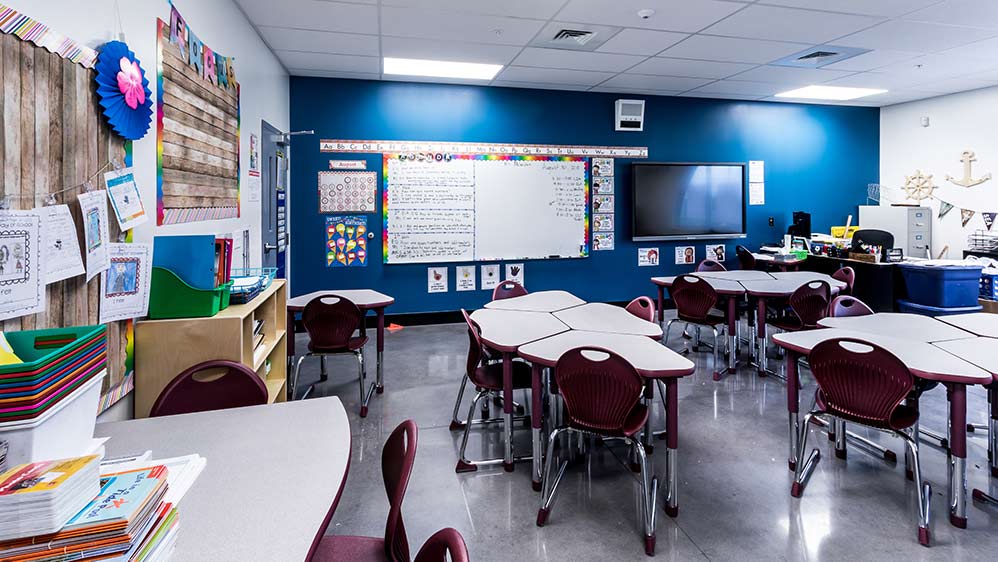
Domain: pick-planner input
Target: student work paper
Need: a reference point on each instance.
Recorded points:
(514, 272)
(125, 284)
(62, 247)
(465, 278)
(436, 280)
(22, 283)
(95, 236)
(490, 276)
(125, 198)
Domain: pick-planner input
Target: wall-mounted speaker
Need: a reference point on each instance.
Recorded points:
(629, 115)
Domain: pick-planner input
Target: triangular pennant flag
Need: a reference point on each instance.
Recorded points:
(966, 215)
(944, 208)
(989, 219)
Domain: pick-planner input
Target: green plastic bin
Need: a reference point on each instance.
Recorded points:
(43, 350)
(171, 297)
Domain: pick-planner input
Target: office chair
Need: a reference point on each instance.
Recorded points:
(872, 237)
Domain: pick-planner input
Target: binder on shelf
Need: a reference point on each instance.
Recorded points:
(192, 258)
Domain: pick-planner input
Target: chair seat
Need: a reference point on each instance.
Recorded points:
(902, 417)
(336, 548)
(789, 323)
(636, 419)
(353, 345)
(489, 376)
(709, 320)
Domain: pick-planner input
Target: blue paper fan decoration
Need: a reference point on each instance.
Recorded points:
(123, 91)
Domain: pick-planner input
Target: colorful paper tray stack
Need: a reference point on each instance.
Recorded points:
(56, 362)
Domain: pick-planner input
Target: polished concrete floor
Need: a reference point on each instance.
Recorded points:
(734, 499)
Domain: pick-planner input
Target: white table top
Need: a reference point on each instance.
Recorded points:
(915, 327)
(808, 276)
(784, 287)
(602, 317)
(255, 499)
(923, 359)
(506, 330)
(735, 274)
(982, 352)
(788, 259)
(650, 358)
(722, 286)
(363, 298)
(541, 301)
(980, 323)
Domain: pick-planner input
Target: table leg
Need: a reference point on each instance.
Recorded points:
(793, 406)
(732, 339)
(291, 334)
(536, 417)
(507, 410)
(760, 332)
(649, 398)
(957, 394)
(661, 305)
(672, 444)
(381, 350)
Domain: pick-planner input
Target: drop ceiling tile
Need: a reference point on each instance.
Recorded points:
(538, 86)
(877, 80)
(283, 39)
(644, 82)
(444, 26)
(914, 36)
(729, 49)
(332, 63)
(872, 60)
(972, 13)
(736, 97)
(415, 48)
(632, 91)
(327, 74)
(670, 15)
(790, 75)
(979, 50)
(641, 42)
(691, 68)
(576, 60)
(741, 88)
(952, 85)
(552, 75)
(937, 66)
(884, 8)
(789, 24)
(314, 14)
(536, 9)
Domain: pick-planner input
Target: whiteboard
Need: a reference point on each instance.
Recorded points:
(478, 208)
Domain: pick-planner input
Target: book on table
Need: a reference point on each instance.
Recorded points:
(38, 498)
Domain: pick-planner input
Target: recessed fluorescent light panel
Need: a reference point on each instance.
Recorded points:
(833, 93)
(441, 69)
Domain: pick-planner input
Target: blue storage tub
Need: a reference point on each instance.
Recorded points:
(925, 310)
(942, 286)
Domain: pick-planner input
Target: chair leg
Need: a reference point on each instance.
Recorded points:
(649, 493)
(323, 375)
(454, 422)
(550, 488)
(924, 490)
(665, 338)
(294, 380)
(802, 470)
(463, 464)
(717, 358)
(840, 438)
(365, 393)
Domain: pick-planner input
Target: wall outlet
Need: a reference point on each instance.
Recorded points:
(772, 221)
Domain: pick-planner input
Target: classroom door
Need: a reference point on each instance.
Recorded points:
(274, 198)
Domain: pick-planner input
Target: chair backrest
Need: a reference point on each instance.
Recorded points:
(693, 296)
(211, 385)
(397, 458)
(331, 320)
(508, 290)
(745, 257)
(810, 302)
(860, 379)
(643, 308)
(475, 344)
(845, 305)
(600, 388)
(712, 265)
(443, 544)
(872, 237)
(848, 276)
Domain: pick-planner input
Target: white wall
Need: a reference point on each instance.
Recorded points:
(221, 25)
(957, 122)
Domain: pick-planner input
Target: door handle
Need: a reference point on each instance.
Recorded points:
(269, 247)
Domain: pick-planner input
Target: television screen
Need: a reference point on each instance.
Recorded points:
(688, 201)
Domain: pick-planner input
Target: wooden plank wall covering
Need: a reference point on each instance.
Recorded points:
(52, 136)
(198, 131)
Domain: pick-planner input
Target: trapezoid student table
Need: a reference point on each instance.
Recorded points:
(505, 331)
(607, 318)
(925, 361)
(650, 359)
(254, 456)
(899, 325)
(984, 324)
(365, 299)
(541, 301)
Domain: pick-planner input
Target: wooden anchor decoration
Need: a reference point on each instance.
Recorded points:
(968, 158)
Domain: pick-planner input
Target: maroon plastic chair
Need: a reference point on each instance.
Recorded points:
(602, 394)
(445, 544)
(711, 265)
(695, 303)
(808, 304)
(331, 321)
(745, 258)
(845, 305)
(860, 382)
(508, 290)
(643, 308)
(201, 389)
(486, 375)
(848, 276)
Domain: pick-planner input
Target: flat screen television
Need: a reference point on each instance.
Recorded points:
(688, 201)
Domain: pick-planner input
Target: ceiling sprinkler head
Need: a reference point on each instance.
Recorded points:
(646, 13)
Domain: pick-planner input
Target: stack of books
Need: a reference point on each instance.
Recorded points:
(39, 498)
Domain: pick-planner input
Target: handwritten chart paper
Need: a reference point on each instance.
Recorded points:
(22, 282)
(62, 247)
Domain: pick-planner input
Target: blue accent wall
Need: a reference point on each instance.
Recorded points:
(818, 159)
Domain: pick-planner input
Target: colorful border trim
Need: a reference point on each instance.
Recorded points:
(475, 148)
(13, 22)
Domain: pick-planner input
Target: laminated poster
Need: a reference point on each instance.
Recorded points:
(603, 204)
(685, 255)
(62, 246)
(490, 276)
(465, 278)
(125, 198)
(125, 283)
(93, 204)
(603, 186)
(22, 277)
(603, 222)
(347, 192)
(436, 280)
(648, 257)
(514, 272)
(346, 241)
(602, 167)
(602, 241)
(714, 252)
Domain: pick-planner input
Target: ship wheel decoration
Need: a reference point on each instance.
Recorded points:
(918, 186)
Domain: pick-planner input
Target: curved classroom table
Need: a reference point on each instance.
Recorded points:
(651, 360)
(541, 301)
(365, 299)
(903, 325)
(984, 324)
(259, 459)
(602, 317)
(925, 361)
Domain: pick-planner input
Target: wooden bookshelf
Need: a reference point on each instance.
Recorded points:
(165, 348)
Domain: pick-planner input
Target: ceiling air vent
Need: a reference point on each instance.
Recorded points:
(817, 57)
(576, 36)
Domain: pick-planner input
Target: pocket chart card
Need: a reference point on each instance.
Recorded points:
(347, 192)
(93, 204)
(62, 247)
(125, 283)
(22, 277)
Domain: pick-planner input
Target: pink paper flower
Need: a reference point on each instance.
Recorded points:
(130, 83)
